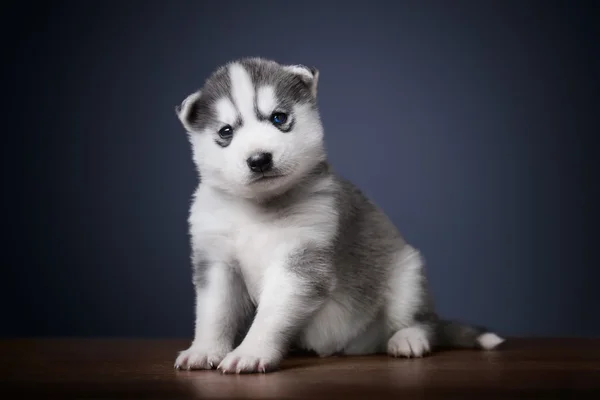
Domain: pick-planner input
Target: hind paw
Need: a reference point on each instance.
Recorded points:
(409, 342)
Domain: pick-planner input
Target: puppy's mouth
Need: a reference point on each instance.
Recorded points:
(265, 177)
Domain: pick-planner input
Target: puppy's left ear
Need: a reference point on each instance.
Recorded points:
(310, 75)
(187, 110)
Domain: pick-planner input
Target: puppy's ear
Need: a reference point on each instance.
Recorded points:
(310, 75)
(188, 109)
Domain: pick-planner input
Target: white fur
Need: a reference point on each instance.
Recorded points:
(403, 297)
(337, 328)
(229, 229)
(489, 341)
(409, 342)
(246, 245)
(307, 75)
(300, 70)
(294, 154)
(226, 112)
(242, 90)
(185, 109)
(266, 100)
(233, 231)
(281, 303)
(212, 311)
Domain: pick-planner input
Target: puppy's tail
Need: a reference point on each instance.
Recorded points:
(454, 334)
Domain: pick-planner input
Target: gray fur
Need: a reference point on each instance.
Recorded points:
(200, 265)
(355, 290)
(290, 89)
(313, 265)
(201, 113)
(453, 334)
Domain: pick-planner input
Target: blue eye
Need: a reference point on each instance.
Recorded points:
(278, 118)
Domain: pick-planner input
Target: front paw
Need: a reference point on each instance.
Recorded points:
(244, 360)
(197, 357)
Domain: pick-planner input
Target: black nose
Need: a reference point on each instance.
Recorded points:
(260, 162)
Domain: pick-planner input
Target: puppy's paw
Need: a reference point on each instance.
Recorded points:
(409, 342)
(199, 357)
(244, 360)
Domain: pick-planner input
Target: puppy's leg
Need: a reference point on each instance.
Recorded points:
(293, 291)
(410, 311)
(415, 327)
(222, 303)
(414, 341)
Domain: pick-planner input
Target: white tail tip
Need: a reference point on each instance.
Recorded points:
(489, 341)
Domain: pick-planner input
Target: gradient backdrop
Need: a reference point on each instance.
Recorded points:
(469, 122)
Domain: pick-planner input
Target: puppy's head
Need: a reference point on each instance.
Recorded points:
(254, 127)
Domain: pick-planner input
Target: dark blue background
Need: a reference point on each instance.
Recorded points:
(469, 122)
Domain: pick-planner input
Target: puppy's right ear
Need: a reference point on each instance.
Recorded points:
(188, 109)
(310, 76)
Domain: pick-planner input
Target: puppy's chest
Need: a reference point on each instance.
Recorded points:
(262, 241)
(260, 244)
(258, 240)
(257, 245)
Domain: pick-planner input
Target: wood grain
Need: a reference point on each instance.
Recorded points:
(143, 369)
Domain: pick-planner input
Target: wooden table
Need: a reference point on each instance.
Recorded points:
(117, 369)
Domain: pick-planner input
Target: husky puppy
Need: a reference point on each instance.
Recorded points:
(285, 252)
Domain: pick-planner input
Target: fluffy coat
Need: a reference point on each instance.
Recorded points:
(285, 252)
